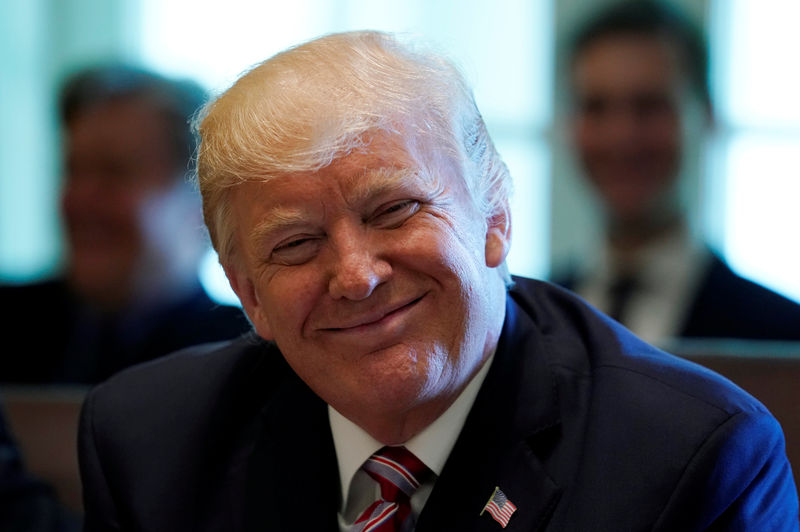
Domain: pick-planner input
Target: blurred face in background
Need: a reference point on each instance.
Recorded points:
(627, 124)
(120, 199)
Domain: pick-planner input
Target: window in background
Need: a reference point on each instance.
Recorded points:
(756, 178)
(505, 52)
(29, 240)
(41, 41)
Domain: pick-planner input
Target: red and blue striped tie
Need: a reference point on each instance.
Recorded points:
(399, 474)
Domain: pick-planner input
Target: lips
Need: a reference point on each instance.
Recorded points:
(375, 317)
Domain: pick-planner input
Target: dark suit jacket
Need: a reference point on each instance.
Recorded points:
(726, 305)
(66, 343)
(580, 424)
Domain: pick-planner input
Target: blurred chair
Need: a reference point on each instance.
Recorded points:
(770, 371)
(44, 421)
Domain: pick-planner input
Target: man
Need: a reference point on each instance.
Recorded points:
(133, 228)
(638, 74)
(393, 383)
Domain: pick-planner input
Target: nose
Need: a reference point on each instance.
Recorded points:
(358, 269)
(622, 126)
(83, 195)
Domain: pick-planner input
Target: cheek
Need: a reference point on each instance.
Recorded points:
(585, 133)
(665, 147)
(457, 260)
(446, 251)
(286, 301)
(663, 132)
(129, 213)
(671, 146)
(70, 199)
(593, 151)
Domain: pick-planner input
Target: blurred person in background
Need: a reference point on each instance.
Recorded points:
(639, 83)
(134, 236)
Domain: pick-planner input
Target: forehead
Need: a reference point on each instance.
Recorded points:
(625, 63)
(380, 161)
(380, 167)
(121, 125)
(373, 161)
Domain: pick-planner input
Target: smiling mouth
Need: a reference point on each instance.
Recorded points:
(374, 320)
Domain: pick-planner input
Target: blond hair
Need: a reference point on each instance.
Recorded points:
(311, 104)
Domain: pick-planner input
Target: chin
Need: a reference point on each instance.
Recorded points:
(391, 393)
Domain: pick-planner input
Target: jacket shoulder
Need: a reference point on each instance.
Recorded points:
(584, 340)
(161, 435)
(190, 379)
(683, 445)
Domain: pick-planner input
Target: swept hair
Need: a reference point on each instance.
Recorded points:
(311, 104)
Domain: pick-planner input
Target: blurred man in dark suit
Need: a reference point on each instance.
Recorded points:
(134, 236)
(639, 80)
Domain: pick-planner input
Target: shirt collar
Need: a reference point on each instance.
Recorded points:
(432, 446)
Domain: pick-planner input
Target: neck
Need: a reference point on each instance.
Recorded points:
(627, 238)
(395, 427)
(401, 428)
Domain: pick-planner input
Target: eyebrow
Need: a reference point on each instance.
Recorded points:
(279, 218)
(385, 180)
(369, 184)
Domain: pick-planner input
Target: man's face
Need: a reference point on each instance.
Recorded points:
(375, 280)
(119, 173)
(626, 125)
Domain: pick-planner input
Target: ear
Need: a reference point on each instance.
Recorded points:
(498, 236)
(245, 290)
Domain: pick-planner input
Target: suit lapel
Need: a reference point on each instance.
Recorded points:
(292, 477)
(506, 441)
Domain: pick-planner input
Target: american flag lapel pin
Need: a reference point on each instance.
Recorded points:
(499, 507)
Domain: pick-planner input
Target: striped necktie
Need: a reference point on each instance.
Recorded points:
(399, 474)
(620, 292)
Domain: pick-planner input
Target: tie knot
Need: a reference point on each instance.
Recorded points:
(396, 469)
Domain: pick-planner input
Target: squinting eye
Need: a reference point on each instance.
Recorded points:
(295, 251)
(394, 214)
(593, 107)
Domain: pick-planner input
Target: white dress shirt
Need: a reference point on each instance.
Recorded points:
(432, 446)
(668, 272)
